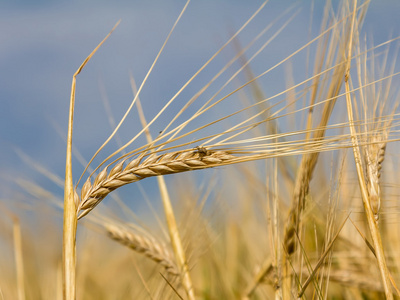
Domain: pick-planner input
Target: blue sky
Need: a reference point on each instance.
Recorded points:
(44, 42)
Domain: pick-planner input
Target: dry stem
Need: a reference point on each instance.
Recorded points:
(372, 222)
(71, 198)
(19, 261)
(176, 241)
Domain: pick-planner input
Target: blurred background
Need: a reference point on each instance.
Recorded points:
(44, 42)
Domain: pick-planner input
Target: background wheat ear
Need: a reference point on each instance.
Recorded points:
(374, 154)
(146, 245)
(372, 220)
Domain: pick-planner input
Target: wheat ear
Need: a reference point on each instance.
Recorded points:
(374, 154)
(148, 246)
(153, 165)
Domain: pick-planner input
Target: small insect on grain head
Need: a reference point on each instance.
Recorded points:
(202, 151)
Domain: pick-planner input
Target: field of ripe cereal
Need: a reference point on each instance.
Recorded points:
(205, 150)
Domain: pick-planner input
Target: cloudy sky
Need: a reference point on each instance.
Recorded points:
(44, 42)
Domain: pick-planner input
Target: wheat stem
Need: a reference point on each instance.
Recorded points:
(70, 196)
(70, 220)
(171, 221)
(19, 261)
(372, 222)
